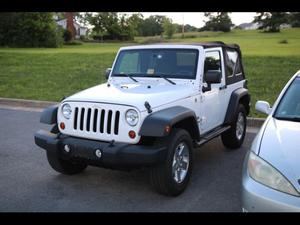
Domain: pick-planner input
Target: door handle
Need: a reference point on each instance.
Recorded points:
(223, 87)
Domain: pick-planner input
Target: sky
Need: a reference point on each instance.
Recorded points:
(196, 18)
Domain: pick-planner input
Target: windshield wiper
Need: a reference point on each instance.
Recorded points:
(167, 79)
(127, 75)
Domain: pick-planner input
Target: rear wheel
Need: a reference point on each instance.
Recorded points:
(234, 137)
(172, 176)
(64, 166)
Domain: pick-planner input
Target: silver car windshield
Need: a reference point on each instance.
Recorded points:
(289, 106)
(170, 63)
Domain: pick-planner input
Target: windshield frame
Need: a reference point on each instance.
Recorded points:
(194, 77)
(275, 114)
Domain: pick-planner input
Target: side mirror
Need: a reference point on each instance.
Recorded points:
(263, 106)
(107, 72)
(211, 77)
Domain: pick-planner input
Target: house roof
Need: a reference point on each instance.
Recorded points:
(75, 22)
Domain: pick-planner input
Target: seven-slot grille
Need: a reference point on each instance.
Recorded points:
(96, 120)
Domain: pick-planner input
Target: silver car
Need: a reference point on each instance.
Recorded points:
(271, 172)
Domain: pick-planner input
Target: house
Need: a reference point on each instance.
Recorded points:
(249, 26)
(79, 30)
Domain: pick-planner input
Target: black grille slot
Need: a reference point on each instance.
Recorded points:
(109, 121)
(81, 118)
(88, 119)
(75, 118)
(102, 120)
(95, 120)
(117, 122)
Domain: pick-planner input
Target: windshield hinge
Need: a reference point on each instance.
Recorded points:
(148, 107)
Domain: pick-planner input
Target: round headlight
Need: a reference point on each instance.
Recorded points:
(66, 111)
(132, 117)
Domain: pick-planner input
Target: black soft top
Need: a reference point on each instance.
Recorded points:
(212, 44)
(216, 44)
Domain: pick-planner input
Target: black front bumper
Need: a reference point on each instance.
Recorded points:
(114, 155)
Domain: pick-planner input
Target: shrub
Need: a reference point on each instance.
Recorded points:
(73, 43)
(151, 40)
(283, 41)
(82, 38)
(189, 36)
(29, 30)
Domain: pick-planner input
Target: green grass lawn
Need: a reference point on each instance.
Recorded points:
(50, 74)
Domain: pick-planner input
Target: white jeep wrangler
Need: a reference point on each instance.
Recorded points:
(159, 103)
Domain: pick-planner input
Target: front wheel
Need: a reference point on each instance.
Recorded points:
(234, 137)
(172, 176)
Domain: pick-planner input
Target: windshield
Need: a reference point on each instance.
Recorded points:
(171, 63)
(289, 106)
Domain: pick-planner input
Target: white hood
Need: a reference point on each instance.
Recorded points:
(135, 94)
(280, 147)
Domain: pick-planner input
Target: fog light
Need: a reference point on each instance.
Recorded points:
(98, 153)
(62, 125)
(131, 134)
(67, 148)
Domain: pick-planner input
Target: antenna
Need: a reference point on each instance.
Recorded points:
(182, 25)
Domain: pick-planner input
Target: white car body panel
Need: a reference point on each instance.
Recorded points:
(135, 94)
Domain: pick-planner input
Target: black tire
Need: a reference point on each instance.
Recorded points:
(230, 138)
(161, 176)
(64, 166)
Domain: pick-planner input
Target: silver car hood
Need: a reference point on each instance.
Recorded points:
(280, 146)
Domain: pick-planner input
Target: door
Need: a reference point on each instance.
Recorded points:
(212, 110)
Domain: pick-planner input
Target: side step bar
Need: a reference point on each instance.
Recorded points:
(207, 137)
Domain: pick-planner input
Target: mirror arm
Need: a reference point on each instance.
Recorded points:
(208, 88)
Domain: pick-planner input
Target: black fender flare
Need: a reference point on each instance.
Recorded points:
(154, 125)
(49, 115)
(235, 98)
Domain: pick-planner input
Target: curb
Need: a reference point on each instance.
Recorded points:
(36, 105)
(14, 102)
(255, 122)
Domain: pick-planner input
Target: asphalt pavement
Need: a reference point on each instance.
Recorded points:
(28, 184)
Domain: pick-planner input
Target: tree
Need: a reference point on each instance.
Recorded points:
(294, 19)
(189, 28)
(270, 21)
(70, 24)
(110, 25)
(219, 21)
(135, 21)
(128, 27)
(29, 30)
(152, 26)
(169, 27)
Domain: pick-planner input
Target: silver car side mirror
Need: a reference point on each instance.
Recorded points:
(263, 106)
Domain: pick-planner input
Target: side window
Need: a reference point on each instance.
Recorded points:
(233, 65)
(212, 61)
